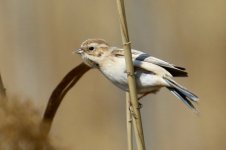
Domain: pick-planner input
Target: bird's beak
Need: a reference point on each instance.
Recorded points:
(78, 51)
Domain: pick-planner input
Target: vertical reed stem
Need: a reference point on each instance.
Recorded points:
(129, 123)
(138, 130)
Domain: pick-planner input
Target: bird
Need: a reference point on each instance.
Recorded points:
(151, 74)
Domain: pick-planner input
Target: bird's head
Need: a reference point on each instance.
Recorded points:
(93, 51)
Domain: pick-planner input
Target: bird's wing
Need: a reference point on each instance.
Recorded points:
(148, 62)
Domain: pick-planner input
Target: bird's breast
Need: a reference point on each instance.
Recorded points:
(115, 71)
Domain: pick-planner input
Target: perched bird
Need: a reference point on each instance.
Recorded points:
(151, 73)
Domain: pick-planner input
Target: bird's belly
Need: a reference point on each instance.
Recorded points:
(145, 82)
(148, 82)
(117, 76)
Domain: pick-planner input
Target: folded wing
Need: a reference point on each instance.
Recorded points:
(172, 69)
(144, 60)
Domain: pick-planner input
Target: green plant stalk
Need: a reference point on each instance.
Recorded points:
(138, 130)
(129, 123)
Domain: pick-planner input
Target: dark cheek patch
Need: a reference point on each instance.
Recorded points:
(99, 54)
(91, 53)
(95, 53)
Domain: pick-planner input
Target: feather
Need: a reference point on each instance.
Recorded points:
(152, 68)
(174, 70)
(181, 89)
(142, 59)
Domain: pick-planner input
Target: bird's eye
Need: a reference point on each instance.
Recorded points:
(91, 48)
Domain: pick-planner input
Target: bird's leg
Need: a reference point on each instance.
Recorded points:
(139, 106)
(143, 95)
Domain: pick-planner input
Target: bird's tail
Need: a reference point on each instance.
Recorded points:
(182, 93)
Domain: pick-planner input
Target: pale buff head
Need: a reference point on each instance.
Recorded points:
(93, 51)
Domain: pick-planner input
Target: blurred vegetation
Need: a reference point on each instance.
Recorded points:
(20, 127)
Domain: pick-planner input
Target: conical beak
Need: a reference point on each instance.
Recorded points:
(78, 51)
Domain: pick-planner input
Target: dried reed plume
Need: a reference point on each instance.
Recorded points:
(20, 127)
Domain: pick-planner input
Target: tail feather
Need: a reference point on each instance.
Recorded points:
(182, 89)
(182, 93)
(183, 98)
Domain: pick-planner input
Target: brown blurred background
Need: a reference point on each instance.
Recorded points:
(38, 36)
